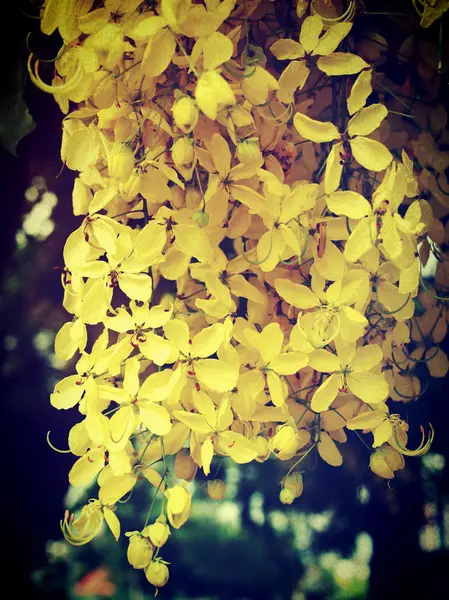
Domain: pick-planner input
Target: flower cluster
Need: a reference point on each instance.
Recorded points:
(245, 275)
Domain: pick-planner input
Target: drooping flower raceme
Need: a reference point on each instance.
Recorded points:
(228, 296)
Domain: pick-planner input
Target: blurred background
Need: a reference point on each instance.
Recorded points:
(350, 535)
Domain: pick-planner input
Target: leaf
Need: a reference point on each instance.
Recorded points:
(15, 120)
(317, 131)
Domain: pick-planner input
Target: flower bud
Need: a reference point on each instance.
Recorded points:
(182, 151)
(157, 573)
(177, 197)
(216, 489)
(185, 466)
(385, 460)
(262, 448)
(193, 198)
(158, 532)
(285, 442)
(248, 152)
(121, 162)
(140, 551)
(185, 114)
(200, 217)
(178, 505)
(286, 496)
(131, 187)
(293, 482)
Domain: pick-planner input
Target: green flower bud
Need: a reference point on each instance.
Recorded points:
(200, 217)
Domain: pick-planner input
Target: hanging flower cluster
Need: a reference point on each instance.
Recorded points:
(244, 278)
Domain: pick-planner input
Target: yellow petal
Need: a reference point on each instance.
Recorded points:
(295, 294)
(207, 341)
(217, 49)
(326, 393)
(328, 450)
(250, 198)
(317, 131)
(193, 241)
(331, 39)
(310, 32)
(221, 154)
(332, 265)
(324, 361)
(367, 420)
(372, 155)
(216, 375)
(155, 417)
(288, 363)
(360, 91)
(87, 467)
(158, 53)
(366, 357)
(115, 488)
(366, 120)
(112, 521)
(147, 27)
(195, 422)
(138, 286)
(361, 240)
(207, 454)
(334, 167)
(285, 49)
(276, 389)
(369, 387)
(65, 346)
(294, 76)
(341, 63)
(350, 204)
(213, 93)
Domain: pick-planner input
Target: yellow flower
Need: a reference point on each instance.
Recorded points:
(310, 45)
(353, 142)
(81, 530)
(334, 316)
(351, 371)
